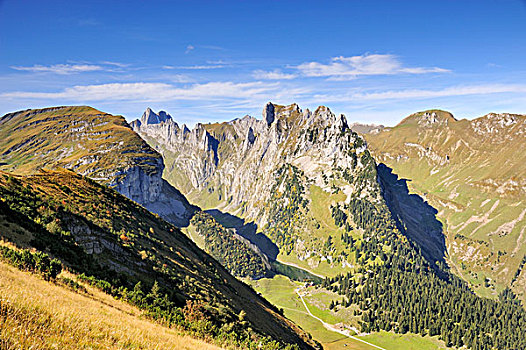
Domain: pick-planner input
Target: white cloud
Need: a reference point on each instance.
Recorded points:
(177, 78)
(116, 64)
(422, 70)
(189, 48)
(152, 92)
(272, 75)
(483, 89)
(350, 67)
(198, 67)
(61, 68)
(73, 67)
(451, 91)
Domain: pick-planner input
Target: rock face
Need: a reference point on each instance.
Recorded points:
(235, 166)
(236, 160)
(155, 194)
(96, 144)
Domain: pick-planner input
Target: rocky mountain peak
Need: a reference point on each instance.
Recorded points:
(506, 125)
(150, 117)
(503, 119)
(226, 158)
(324, 117)
(268, 113)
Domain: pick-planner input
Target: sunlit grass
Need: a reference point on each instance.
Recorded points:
(36, 314)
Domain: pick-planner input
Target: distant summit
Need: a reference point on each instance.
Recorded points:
(149, 117)
(430, 117)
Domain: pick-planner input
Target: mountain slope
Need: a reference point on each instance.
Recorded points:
(95, 144)
(63, 318)
(129, 251)
(252, 168)
(474, 173)
(309, 183)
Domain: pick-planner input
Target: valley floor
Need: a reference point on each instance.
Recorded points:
(36, 314)
(307, 310)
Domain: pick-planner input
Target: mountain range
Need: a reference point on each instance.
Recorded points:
(344, 220)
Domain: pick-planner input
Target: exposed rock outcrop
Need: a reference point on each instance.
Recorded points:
(233, 166)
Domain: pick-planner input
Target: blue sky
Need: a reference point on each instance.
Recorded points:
(374, 61)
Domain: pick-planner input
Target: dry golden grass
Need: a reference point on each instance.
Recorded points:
(35, 314)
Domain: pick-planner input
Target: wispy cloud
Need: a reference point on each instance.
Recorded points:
(196, 67)
(342, 67)
(60, 68)
(451, 91)
(272, 75)
(177, 78)
(189, 49)
(484, 89)
(212, 47)
(152, 92)
(116, 64)
(73, 67)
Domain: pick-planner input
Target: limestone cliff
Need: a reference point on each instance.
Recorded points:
(238, 166)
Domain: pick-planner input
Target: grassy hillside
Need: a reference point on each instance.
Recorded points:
(136, 256)
(80, 138)
(474, 174)
(39, 314)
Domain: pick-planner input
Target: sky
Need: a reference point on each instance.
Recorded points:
(206, 61)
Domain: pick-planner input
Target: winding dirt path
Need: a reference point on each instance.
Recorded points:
(331, 327)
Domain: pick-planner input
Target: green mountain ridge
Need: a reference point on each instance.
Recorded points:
(473, 172)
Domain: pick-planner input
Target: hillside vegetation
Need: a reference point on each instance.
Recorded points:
(37, 314)
(474, 174)
(124, 250)
(228, 248)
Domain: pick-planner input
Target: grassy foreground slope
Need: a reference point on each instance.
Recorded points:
(474, 174)
(136, 256)
(38, 314)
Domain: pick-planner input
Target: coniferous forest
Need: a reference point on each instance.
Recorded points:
(406, 293)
